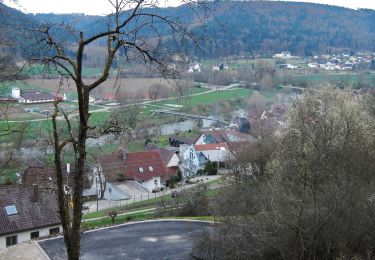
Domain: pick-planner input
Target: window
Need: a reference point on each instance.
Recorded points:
(34, 234)
(140, 169)
(11, 210)
(156, 182)
(11, 240)
(150, 168)
(54, 231)
(191, 155)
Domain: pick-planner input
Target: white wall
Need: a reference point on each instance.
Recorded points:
(200, 140)
(25, 236)
(217, 155)
(174, 162)
(189, 167)
(150, 184)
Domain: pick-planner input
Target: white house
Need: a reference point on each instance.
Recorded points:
(313, 65)
(191, 161)
(195, 157)
(283, 55)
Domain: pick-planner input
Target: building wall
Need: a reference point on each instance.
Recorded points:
(174, 162)
(200, 140)
(218, 155)
(152, 184)
(190, 162)
(25, 236)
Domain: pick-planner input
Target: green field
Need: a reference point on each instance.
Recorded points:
(333, 77)
(210, 98)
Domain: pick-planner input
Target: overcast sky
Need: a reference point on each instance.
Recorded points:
(102, 7)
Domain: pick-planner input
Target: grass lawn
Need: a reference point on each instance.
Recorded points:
(133, 206)
(202, 218)
(6, 88)
(103, 213)
(141, 205)
(119, 220)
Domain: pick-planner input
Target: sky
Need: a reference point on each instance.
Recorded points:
(102, 7)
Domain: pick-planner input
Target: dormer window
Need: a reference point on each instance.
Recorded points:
(140, 169)
(11, 210)
(150, 168)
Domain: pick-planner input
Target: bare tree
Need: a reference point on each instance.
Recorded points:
(316, 197)
(133, 28)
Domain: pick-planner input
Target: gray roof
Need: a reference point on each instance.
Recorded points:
(37, 96)
(31, 214)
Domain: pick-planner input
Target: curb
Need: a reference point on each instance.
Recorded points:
(42, 250)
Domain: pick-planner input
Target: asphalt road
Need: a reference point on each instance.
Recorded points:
(141, 240)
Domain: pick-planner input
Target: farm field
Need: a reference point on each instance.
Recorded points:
(130, 85)
(347, 77)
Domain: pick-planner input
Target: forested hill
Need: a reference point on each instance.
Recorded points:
(304, 29)
(262, 27)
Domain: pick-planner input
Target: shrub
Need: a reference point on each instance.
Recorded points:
(120, 177)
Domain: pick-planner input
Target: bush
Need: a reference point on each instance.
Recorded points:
(211, 168)
(120, 177)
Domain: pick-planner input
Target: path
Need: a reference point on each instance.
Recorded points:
(107, 204)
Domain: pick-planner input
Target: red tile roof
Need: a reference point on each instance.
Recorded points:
(129, 166)
(210, 147)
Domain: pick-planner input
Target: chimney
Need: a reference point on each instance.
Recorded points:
(35, 194)
(122, 154)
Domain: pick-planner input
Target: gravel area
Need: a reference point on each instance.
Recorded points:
(26, 251)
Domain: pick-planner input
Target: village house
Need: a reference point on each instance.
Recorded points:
(169, 157)
(176, 140)
(33, 96)
(220, 136)
(145, 168)
(192, 161)
(27, 212)
(44, 176)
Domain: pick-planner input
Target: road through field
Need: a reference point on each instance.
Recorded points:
(212, 88)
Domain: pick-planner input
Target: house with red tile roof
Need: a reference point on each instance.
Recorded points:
(146, 168)
(27, 212)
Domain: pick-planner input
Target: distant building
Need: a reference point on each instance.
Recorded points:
(27, 212)
(33, 96)
(283, 55)
(195, 68)
(291, 66)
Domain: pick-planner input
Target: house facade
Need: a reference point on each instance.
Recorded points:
(192, 161)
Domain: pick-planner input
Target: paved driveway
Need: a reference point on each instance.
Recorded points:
(142, 240)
